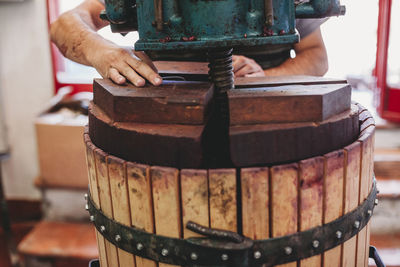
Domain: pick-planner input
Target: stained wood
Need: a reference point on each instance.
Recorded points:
(223, 208)
(165, 189)
(284, 204)
(333, 200)
(311, 175)
(264, 144)
(174, 103)
(255, 202)
(194, 194)
(154, 144)
(351, 197)
(120, 202)
(105, 201)
(90, 148)
(292, 103)
(141, 202)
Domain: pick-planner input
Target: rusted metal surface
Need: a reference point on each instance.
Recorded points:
(172, 103)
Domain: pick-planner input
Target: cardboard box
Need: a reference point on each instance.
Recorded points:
(62, 154)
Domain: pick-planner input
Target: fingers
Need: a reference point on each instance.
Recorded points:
(130, 74)
(144, 70)
(145, 58)
(244, 66)
(115, 76)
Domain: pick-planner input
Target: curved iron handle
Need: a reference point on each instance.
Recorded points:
(373, 254)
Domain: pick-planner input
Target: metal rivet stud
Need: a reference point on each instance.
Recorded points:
(164, 252)
(338, 234)
(315, 243)
(86, 207)
(102, 228)
(357, 224)
(257, 254)
(193, 256)
(118, 238)
(288, 250)
(376, 201)
(91, 218)
(86, 196)
(224, 257)
(139, 246)
(369, 212)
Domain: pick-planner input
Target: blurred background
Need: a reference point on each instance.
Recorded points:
(41, 196)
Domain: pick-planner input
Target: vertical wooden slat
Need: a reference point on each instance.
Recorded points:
(120, 202)
(368, 138)
(255, 201)
(352, 174)
(165, 188)
(105, 201)
(311, 174)
(95, 196)
(194, 191)
(223, 209)
(333, 200)
(284, 201)
(141, 202)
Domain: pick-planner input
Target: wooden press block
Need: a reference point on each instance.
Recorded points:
(262, 144)
(170, 103)
(194, 199)
(141, 202)
(255, 202)
(333, 200)
(291, 103)
(147, 143)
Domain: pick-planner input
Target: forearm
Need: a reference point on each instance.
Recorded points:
(74, 33)
(310, 62)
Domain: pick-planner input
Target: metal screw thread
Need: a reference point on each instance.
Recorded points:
(221, 69)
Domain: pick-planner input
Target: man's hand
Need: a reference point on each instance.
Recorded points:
(74, 33)
(122, 64)
(246, 67)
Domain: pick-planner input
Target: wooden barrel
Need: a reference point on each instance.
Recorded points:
(257, 202)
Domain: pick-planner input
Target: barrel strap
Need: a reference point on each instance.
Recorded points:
(224, 248)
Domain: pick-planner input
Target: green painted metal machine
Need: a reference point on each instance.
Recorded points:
(214, 27)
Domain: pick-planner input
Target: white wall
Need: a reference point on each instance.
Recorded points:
(26, 85)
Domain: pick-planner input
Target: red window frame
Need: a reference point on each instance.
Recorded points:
(53, 11)
(387, 97)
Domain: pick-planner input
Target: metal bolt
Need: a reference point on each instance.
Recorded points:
(193, 256)
(139, 246)
(164, 252)
(86, 196)
(288, 250)
(86, 207)
(357, 224)
(376, 201)
(102, 228)
(338, 234)
(369, 212)
(224, 257)
(118, 238)
(257, 254)
(91, 218)
(315, 243)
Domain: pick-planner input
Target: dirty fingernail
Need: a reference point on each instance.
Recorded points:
(157, 80)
